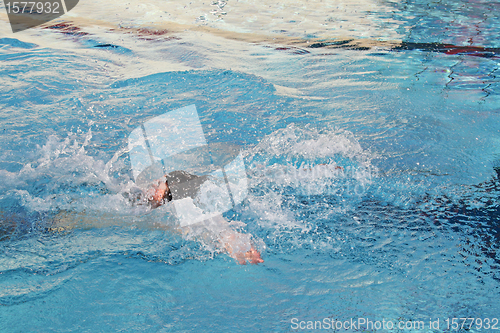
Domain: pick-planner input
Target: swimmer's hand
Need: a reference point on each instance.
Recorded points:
(236, 249)
(252, 256)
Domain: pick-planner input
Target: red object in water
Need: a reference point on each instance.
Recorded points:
(477, 51)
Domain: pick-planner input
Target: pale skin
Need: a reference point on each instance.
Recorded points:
(252, 256)
(230, 240)
(217, 231)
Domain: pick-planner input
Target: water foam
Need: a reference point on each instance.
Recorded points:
(303, 179)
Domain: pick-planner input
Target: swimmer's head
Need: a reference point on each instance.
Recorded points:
(159, 193)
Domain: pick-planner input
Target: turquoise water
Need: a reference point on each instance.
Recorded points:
(410, 232)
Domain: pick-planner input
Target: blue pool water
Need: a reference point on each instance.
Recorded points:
(409, 232)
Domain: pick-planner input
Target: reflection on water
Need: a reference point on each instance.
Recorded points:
(369, 133)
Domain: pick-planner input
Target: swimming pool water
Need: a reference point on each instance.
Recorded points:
(409, 232)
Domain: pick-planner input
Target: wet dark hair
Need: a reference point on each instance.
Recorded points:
(168, 193)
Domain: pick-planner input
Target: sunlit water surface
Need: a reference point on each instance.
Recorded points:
(409, 232)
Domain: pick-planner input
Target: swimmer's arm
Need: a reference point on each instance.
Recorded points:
(69, 220)
(236, 244)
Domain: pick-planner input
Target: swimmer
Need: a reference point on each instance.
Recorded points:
(159, 193)
(215, 232)
(237, 245)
